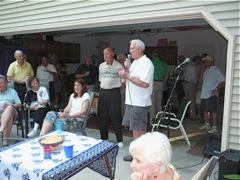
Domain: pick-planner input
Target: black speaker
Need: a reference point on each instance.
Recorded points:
(213, 147)
(229, 163)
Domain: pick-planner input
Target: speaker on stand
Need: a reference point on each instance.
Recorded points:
(229, 163)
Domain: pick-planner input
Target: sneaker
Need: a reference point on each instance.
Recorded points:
(120, 145)
(213, 130)
(205, 126)
(128, 158)
(32, 134)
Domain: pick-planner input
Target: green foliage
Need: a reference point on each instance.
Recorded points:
(232, 176)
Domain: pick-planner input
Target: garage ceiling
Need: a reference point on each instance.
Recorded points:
(155, 27)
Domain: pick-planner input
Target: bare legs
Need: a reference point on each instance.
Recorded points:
(46, 127)
(7, 118)
(137, 134)
(207, 117)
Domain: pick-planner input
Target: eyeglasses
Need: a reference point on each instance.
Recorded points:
(3, 77)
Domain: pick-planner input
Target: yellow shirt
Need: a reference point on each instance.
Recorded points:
(18, 72)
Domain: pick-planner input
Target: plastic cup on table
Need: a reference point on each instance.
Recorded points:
(58, 127)
(68, 150)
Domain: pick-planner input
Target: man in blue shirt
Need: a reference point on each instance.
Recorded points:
(213, 81)
(9, 102)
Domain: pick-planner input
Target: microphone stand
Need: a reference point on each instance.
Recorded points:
(168, 106)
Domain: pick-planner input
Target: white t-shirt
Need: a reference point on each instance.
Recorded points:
(42, 74)
(138, 96)
(42, 94)
(77, 103)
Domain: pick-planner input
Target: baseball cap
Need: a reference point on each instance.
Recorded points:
(209, 58)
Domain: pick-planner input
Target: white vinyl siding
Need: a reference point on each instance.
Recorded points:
(24, 17)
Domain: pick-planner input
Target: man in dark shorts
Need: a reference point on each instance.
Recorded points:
(213, 81)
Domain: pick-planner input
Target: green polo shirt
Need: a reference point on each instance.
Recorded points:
(160, 69)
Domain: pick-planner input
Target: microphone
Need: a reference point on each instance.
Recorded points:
(129, 57)
(187, 60)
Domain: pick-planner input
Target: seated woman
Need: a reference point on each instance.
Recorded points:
(152, 155)
(77, 107)
(37, 99)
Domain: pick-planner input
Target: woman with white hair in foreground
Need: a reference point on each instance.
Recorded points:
(152, 154)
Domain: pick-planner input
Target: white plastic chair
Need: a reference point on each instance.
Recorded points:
(205, 172)
(175, 121)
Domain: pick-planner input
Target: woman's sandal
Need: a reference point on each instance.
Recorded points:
(1, 136)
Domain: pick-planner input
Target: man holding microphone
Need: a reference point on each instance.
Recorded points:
(139, 82)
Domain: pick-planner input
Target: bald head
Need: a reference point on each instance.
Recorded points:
(108, 55)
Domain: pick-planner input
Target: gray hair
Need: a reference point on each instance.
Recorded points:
(121, 56)
(138, 43)
(154, 147)
(17, 52)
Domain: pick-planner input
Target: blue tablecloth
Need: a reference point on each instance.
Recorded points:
(25, 160)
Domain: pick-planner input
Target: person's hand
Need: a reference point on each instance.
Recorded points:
(214, 91)
(86, 73)
(123, 74)
(64, 115)
(138, 176)
(5, 105)
(127, 64)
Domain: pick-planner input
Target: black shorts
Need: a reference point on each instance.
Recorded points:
(210, 104)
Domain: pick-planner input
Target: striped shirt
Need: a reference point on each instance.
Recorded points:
(108, 75)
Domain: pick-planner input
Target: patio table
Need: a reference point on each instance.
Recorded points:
(25, 160)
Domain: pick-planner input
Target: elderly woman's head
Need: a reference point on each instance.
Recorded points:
(33, 82)
(121, 58)
(151, 153)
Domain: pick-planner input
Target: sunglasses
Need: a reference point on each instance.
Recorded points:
(3, 77)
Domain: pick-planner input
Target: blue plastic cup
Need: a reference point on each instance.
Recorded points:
(68, 150)
(58, 126)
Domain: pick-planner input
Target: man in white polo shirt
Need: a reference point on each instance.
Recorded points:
(46, 70)
(139, 86)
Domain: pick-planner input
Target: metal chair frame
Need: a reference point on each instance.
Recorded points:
(79, 124)
(174, 121)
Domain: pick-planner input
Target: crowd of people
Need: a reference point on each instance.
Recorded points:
(131, 91)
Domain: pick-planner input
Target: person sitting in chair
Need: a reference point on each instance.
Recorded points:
(77, 107)
(9, 102)
(37, 99)
(152, 155)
